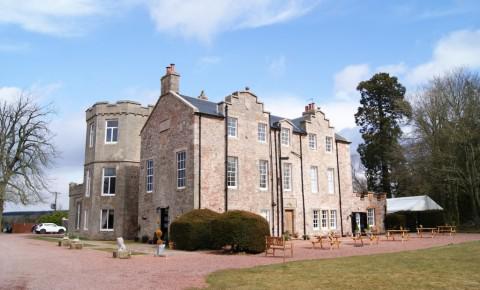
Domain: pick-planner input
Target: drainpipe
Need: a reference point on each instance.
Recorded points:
(271, 175)
(277, 183)
(281, 226)
(339, 190)
(303, 191)
(199, 161)
(226, 157)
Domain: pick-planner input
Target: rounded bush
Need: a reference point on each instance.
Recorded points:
(243, 231)
(193, 230)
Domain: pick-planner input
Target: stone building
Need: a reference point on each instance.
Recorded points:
(189, 153)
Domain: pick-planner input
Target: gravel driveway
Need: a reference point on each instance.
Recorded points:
(26, 263)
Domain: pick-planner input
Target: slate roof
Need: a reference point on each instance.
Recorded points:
(210, 108)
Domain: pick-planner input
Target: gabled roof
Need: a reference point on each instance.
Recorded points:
(211, 108)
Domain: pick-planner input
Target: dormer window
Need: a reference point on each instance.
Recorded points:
(285, 136)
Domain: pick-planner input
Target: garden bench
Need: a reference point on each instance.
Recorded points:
(278, 243)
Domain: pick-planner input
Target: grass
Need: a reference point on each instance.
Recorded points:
(448, 267)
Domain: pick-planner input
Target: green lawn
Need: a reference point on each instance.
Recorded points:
(449, 267)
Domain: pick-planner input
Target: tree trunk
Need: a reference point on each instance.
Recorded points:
(1, 215)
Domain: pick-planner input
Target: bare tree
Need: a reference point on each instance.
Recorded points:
(26, 150)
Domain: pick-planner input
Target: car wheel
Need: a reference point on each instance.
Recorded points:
(61, 231)
(43, 231)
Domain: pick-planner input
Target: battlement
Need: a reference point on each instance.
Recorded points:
(122, 107)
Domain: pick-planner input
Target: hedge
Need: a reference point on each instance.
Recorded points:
(55, 217)
(241, 230)
(192, 231)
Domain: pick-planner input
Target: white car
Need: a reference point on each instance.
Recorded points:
(49, 228)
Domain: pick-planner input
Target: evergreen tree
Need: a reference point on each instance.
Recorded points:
(383, 109)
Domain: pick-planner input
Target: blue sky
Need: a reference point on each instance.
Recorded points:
(76, 52)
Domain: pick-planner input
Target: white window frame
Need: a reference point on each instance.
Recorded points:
(108, 215)
(324, 219)
(333, 219)
(91, 135)
(78, 216)
(85, 219)
(285, 136)
(371, 217)
(88, 182)
(149, 175)
(287, 176)
(232, 127)
(263, 174)
(181, 165)
(331, 181)
(314, 179)
(262, 133)
(232, 172)
(110, 129)
(109, 181)
(316, 220)
(328, 144)
(312, 141)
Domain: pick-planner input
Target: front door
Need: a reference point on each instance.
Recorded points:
(289, 221)
(164, 221)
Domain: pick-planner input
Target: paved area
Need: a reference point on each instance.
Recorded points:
(27, 263)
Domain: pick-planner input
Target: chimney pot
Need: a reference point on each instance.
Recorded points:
(306, 108)
(172, 67)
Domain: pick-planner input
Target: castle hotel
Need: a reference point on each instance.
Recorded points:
(145, 166)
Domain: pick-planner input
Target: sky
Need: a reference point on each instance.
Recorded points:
(73, 53)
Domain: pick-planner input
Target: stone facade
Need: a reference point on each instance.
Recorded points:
(177, 155)
(121, 154)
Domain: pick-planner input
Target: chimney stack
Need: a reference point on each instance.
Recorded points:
(170, 81)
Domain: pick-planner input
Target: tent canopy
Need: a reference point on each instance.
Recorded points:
(411, 203)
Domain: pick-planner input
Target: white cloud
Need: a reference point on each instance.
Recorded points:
(54, 17)
(393, 69)
(457, 49)
(277, 66)
(340, 113)
(284, 104)
(346, 80)
(203, 20)
(211, 59)
(9, 94)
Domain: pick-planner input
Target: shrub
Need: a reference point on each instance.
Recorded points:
(145, 239)
(193, 230)
(241, 230)
(55, 217)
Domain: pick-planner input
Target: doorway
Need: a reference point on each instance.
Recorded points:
(289, 221)
(164, 222)
(359, 221)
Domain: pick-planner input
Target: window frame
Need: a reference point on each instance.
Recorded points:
(371, 218)
(108, 218)
(316, 220)
(112, 130)
(287, 181)
(78, 216)
(263, 173)
(260, 133)
(235, 180)
(88, 183)
(85, 219)
(230, 127)
(285, 138)
(324, 218)
(328, 144)
(109, 181)
(181, 181)
(332, 223)
(314, 169)
(312, 141)
(149, 175)
(91, 135)
(331, 183)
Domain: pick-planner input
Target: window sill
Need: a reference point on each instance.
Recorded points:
(232, 187)
(263, 189)
(108, 195)
(106, 230)
(110, 143)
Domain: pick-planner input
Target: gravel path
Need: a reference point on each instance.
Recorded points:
(34, 264)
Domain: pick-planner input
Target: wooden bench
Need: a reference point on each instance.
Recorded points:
(317, 240)
(373, 237)
(447, 229)
(278, 243)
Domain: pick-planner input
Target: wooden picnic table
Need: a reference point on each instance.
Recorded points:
(403, 234)
(447, 229)
(421, 230)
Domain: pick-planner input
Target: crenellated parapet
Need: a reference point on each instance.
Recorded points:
(124, 107)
